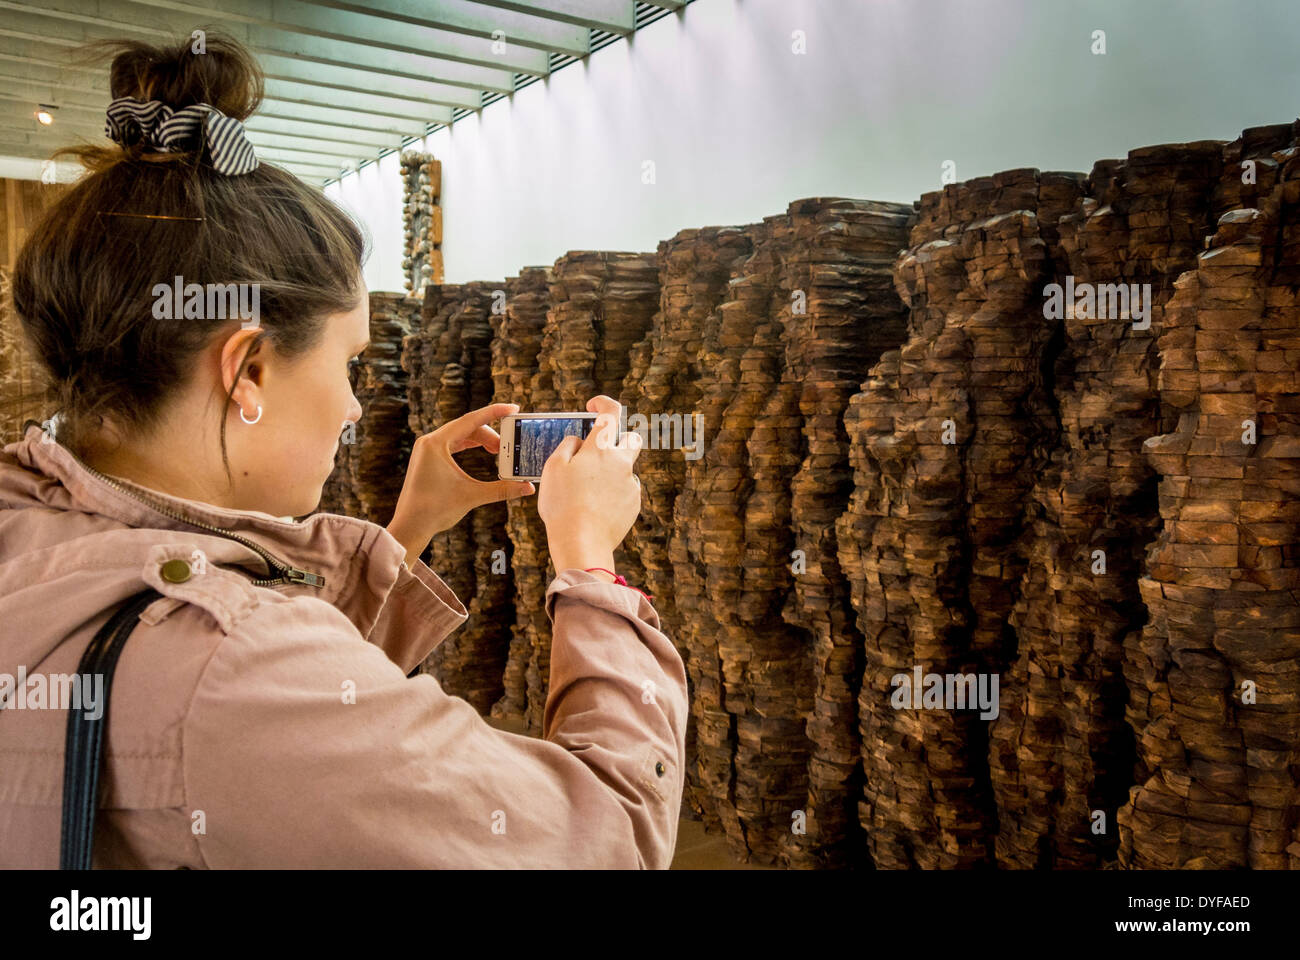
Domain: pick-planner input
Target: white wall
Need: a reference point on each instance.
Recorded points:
(738, 125)
(374, 195)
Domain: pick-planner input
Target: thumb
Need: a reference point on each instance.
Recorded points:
(494, 491)
(564, 451)
(511, 489)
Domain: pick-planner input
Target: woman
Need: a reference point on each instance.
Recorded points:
(262, 715)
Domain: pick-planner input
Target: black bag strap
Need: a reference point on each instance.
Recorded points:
(82, 757)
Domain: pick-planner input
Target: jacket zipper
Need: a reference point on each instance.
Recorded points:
(288, 574)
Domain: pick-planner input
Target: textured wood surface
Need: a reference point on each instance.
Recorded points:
(907, 461)
(421, 221)
(517, 378)
(1214, 675)
(22, 204)
(369, 471)
(449, 363)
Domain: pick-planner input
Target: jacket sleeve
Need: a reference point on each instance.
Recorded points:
(418, 614)
(305, 746)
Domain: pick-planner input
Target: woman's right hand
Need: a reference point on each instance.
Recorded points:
(589, 496)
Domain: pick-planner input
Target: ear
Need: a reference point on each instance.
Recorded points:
(242, 356)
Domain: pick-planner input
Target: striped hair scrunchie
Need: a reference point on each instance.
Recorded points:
(171, 130)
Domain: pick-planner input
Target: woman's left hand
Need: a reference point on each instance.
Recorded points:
(437, 493)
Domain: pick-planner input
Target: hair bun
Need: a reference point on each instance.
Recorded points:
(223, 74)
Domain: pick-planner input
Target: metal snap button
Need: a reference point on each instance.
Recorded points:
(175, 571)
(659, 768)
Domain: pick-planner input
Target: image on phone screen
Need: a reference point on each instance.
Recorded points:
(537, 437)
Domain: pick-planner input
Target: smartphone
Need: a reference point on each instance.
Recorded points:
(528, 440)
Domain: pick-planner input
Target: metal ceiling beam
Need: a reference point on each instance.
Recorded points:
(282, 158)
(348, 78)
(471, 19)
(310, 145)
(28, 25)
(377, 104)
(44, 87)
(40, 142)
(74, 19)
(341, 119)
(41, 83)
(46, 83)
(322, 132)
(370, 26)
(315, 171)
(19, 143)
(463, 62)
(611, 16)
(397, 63)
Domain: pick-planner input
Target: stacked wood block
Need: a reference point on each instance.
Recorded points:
(1214, 675)
(947, 438)
(1061, 758)
(21, 379)
(517, 378)
(449, 365)
(908, 461)
(600, 305)
(421, 221)
(757, 591)
(371, 463)
(722, 622)
(668, 377)
(847, 315)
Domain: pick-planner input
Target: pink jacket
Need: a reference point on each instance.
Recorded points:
(257, 722)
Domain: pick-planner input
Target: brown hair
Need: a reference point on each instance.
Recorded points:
(82, 287)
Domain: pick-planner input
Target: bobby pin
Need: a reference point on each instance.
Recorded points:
(150, 216)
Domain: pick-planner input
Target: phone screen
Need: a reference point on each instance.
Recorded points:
(537, 437)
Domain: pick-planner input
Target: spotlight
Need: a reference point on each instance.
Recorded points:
(45, 114)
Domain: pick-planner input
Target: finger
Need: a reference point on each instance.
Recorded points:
(514, 489)
(563, 453)
(465, 425)
(633, 444)
(630, 448)
(494, 491)
(604, 433)
(603, 404)
(484, 437)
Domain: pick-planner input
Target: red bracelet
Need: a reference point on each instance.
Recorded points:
(618, 578)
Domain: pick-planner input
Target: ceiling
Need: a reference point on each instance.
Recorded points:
(346, 83)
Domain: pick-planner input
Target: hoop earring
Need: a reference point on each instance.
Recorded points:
(246, 420)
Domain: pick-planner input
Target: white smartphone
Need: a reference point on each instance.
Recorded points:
(529, 439)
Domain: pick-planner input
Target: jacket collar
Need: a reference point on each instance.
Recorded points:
(357, 561)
